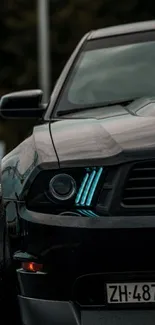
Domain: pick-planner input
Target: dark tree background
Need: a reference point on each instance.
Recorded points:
(69, 20)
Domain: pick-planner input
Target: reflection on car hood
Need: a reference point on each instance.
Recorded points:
(113, 138)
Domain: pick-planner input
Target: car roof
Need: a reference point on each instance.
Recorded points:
(122, 29)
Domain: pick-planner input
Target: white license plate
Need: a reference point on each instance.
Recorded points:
(125, 293)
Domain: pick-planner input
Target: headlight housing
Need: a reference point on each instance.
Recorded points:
(74, 190)
(62, 187)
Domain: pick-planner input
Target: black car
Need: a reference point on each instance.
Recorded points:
(9, 308)
(79, 192)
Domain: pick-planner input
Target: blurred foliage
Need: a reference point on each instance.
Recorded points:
(69, 21)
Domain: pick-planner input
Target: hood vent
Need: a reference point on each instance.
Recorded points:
(140, 186)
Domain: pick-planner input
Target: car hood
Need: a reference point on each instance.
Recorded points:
(115, 137)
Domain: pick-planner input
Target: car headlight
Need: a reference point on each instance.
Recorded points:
(62, 187)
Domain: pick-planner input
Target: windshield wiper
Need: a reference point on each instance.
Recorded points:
(105, 104)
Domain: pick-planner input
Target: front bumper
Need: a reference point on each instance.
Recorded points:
(103, 222)
(46, 312)
(78, 245)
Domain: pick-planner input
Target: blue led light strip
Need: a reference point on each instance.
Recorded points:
(80, 192)
(93, 187)
(92, 214)
(83, 213)
(87, 188)
(88, 213)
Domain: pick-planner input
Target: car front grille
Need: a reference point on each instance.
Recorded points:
(139, 189)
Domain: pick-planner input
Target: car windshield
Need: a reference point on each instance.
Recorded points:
(111, 70)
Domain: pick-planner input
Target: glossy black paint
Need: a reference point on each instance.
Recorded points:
(123, 29)
(19, 164)
(22, 99)
(22, 104)
(111, 137)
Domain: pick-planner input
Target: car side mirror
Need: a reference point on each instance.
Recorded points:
(22, 104)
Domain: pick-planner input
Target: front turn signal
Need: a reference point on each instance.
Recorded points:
(32, 267)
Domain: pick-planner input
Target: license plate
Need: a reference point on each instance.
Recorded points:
(134, 293)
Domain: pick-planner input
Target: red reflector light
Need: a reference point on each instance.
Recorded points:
(32, 266)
